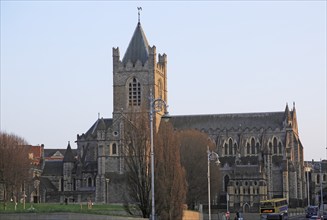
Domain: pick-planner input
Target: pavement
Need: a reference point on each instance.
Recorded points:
(61, 216)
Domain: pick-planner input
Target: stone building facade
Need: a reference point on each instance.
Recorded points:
(261, 153)
(261, 156)
(316, 181)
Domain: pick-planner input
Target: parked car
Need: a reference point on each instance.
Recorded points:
(311, 211)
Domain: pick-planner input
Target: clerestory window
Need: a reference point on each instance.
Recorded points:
(275, 145)
(134, 93)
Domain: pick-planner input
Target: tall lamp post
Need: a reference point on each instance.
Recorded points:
(156, 105)
(212, 156)
(307, 169)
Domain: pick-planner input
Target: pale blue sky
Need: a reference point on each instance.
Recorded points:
(223, 57)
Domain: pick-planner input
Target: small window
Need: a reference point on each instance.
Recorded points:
(89, 182)
(114, 149)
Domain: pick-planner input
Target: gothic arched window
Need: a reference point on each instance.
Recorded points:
(89, 182)
(230, 146)
(247, 148)
(275, 145)
(252, 146)
(270, 147)
(134, 93)
(226, 149)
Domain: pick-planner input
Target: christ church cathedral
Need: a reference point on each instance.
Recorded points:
(261, 154)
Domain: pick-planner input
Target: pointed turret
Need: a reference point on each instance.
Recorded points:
(138, 48)
(69, 156)
(287, 116)
(294, 119)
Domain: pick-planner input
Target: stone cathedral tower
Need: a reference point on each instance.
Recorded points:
(137, 75)
(135, 78)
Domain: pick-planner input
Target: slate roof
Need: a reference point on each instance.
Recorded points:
(50, 152)
(138, 48)
(230, 121)
(102, 124)
(52, 168)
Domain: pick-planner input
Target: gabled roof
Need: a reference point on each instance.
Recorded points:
(56, 154)
(69, 156)
(138, 48)
(242, 121)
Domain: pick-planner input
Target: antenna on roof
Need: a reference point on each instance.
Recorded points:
(139, 9)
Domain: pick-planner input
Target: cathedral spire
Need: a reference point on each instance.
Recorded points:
(138, 48)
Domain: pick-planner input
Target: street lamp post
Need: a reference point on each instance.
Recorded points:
(156, 105)
(211, 157)
(308, 183)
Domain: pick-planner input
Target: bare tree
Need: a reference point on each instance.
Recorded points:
(14, 164)
(195, 161)
(137, 164)
(170, 183)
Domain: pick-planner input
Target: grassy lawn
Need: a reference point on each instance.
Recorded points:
(115, 210)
